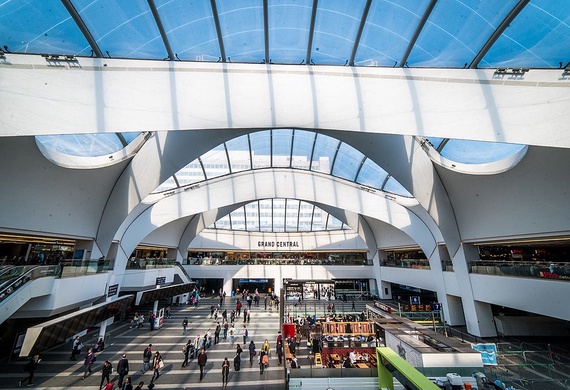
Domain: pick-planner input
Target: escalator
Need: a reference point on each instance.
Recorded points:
(19, 284)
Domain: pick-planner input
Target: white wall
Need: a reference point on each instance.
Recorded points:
(232, 240)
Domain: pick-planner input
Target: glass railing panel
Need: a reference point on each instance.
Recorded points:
(280, 261)
(522, 269)
(406, 263)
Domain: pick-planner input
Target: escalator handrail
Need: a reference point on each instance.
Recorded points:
(184, 271)
(35, 272)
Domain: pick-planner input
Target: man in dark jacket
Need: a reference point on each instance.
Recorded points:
(122, 369)
(30, 368)
(106, 371)
(202, 359)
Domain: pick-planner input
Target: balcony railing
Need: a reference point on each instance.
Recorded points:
(72, 268)
(283, 261)
(150, 263)
(524, 269)
(406, 263)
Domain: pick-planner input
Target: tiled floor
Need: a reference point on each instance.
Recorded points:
(56, 371)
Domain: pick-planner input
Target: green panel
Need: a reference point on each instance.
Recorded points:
(387, 357)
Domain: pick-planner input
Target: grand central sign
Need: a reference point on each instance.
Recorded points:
(278, 244)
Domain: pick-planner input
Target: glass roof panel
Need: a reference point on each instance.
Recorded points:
(539, 37)
(394, 187)
(305, 216)
(122, 29)
(334, 224)
(190, 29)
(215, 162)
(388, 31)
(319, 220)
(336, 27)
(223, 223)
(281, 152)
(278, 215)
(302, 148)
(476, 152)
(260, 149)
(371, 174)
(324, 151)
(191, 173)
(266, 216)
(347, 162)
(238, 219)
(289, 24)
(238, 150)
(84, 145)
(292, 215)
(252, 217)
(31, 26)
(456, 30)
(242, 29)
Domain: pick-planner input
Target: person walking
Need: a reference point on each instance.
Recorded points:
(239, 350)
(225, 371)
(167, 311)
(237, 362)
(245, 315)
(217, 333)
(106, 371)
(147, 354)
(89, 360)
(157, 364)
(76, 348)
(186, 351)
(122, 369)
(265, 348)
(30, 368)
(226, 326)
(202, 359)
(245, 334)
(151, 321)
(184, 325)
(232, 333)
(279, 350)
(252, 352)
(262, 361)
(353, 306)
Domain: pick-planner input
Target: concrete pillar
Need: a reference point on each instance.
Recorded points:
(478, 315)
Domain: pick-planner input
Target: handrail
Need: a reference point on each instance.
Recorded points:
(31, 273)
(183, 271)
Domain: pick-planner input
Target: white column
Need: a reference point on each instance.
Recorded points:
(478, 315)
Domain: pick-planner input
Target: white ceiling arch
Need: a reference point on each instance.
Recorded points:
(271, 183)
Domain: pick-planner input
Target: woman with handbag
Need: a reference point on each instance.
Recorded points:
(157, 364)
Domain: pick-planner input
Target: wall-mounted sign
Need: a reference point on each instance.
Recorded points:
(160, 280)
(278, 244)
(112, 290)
